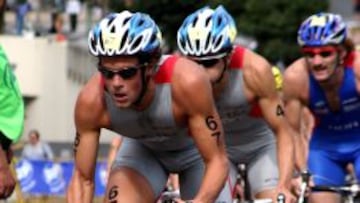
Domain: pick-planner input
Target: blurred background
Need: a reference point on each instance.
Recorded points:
(46, 42)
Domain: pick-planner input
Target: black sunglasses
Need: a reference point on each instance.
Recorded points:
(125, 73)
(207, 63)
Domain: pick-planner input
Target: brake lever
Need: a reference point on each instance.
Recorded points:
(281, 198)
(305, 177)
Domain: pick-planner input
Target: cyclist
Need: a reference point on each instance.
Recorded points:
(247, 100)
(153, 103)
(328, 83)
(11, 122)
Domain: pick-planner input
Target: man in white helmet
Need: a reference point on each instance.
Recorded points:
(153, 104)
(256, 131)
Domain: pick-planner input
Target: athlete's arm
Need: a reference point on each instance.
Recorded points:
(193, 93)
(7, 181)
(357, 69)
(259, 79)
(114, 147)
(293, 91)
(87, 114)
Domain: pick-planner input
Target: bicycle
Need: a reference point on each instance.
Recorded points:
(169, 197)
(349, 193)
(242, 180)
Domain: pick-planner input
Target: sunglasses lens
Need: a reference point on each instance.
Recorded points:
(125, 73)
(208, 63)
(309, 54)
(128, 73)
(106, 73)
(326, 53)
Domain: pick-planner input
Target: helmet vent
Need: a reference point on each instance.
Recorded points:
(197, 44)
(137, 42)
(207, 39)
(207, 21)
(219, 21)
(101, 42)
(141, 22)
(112, 30)
(123, 39)
(218, 40)
(153, 38)
(189, 42)
(126, 20)
(93, 44)
(195, 21)
(339, 34)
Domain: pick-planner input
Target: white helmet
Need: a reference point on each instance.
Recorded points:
(207, 33)
(125, 33)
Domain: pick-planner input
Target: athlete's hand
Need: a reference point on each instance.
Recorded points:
(296, 186)
(7, 181)
(289, 197)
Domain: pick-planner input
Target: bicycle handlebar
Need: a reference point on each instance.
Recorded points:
(351, 189)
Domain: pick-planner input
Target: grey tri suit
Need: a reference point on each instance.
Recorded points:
(248, 137)
(153, 145)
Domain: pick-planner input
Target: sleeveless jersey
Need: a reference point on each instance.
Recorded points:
(155, 127)
(11, 101)
(242, 121)
(336, 129)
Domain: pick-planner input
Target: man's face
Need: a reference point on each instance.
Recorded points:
(122, 76)
(33, 139)
(322, 61)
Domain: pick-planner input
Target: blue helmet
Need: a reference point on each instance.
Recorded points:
(207, 33)
(322, 29)
(124, 33)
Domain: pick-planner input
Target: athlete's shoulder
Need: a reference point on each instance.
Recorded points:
(90, 102)
(356, 63)
(296, 79)
(189, 79)
(297, 70)
(254, 60)
(356, 67)
(188, 71)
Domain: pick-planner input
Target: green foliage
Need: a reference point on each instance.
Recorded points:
(273, 23)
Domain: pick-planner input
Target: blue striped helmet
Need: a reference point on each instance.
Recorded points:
(124, 33)
(322, 29)
(206, 33)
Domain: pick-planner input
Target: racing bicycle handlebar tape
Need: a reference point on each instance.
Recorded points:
(11, 101)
